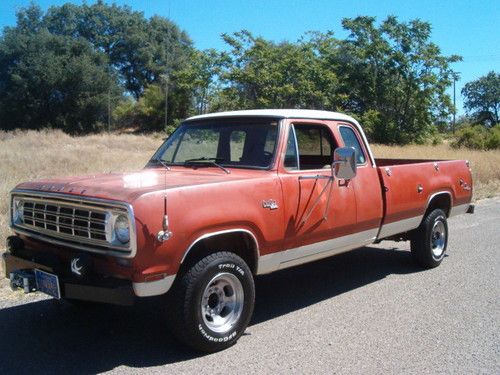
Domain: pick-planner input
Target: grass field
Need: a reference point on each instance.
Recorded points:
(34, 155)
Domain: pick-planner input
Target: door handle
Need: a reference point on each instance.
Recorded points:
(315, 177)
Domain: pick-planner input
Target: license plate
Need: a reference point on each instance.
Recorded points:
(47, 283)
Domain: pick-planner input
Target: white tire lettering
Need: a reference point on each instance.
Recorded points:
(232, 266)
(216, 339)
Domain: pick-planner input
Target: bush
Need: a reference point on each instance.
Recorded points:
(493, 140)
(478, 138)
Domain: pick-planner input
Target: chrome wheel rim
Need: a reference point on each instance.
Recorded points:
(222, 302)
(438, 239)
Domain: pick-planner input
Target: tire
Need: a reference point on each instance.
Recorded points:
(211, 305)
(430, 239)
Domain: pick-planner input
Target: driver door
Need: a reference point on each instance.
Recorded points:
(320, 211)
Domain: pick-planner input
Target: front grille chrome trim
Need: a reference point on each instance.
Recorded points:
(49, 230)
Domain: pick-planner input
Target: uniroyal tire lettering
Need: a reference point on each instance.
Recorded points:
(216, 339)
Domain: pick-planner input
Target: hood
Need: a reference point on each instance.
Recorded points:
(127, 187)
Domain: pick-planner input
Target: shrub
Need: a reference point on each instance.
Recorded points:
(493, 140)
(478, 138)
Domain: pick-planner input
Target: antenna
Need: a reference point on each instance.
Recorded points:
(165, 234)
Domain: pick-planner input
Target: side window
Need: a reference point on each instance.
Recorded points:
(291, 151)
(315, 146)
(350, 140)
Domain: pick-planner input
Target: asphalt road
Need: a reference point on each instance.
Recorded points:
(364, 312)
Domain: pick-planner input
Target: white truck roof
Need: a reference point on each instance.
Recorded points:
(282, 113)
(291, 113)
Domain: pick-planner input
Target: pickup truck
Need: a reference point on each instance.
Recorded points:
(227, 197)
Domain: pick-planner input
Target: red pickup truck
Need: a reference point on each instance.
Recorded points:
(227, 197)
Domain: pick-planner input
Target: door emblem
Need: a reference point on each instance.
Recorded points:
(270, 203)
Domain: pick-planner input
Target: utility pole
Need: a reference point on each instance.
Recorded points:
(167, 71)
(109, 110)
(456, 76)
(166, 100)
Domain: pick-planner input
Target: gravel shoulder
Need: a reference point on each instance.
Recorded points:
(367, 311)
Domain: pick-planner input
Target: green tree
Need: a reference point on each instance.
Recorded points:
(77, 59)
(141, 50)
(263, 74)
(199, 76)
(482, 98)
(49, 80)
(394, 70)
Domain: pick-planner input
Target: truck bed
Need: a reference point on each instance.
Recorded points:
(408, 185)
(384, 162)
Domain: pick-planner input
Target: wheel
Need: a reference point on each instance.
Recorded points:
(211, 305)
(429, 240)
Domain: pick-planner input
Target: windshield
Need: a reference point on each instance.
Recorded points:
(231, 142)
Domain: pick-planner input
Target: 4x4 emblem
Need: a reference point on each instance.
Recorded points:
(270, 203)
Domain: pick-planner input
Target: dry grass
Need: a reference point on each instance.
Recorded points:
(34, 155)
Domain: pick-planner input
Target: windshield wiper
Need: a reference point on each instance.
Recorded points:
(162, 162)
(210, 161)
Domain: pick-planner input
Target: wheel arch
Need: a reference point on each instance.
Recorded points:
(240, 241)
(442, 200)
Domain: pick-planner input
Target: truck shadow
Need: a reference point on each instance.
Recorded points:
(48, 336)
(292, 289)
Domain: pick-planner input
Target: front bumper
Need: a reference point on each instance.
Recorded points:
(105, 290)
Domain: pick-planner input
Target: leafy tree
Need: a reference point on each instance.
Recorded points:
(482, 98)
(393, 70)
(200, 77)
(78, 60)
(140, 50)
(49, 80)
(263, 74)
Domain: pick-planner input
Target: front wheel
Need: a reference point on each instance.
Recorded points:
(430, 239)
(211, 306)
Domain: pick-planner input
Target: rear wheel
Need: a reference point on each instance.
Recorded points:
(430, 239)
(211, 305)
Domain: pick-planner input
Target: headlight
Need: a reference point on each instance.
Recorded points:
(122, 228)
(17, 210)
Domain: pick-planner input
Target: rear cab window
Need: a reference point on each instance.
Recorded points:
(350, 139)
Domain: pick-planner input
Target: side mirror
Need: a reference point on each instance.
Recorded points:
(344, 163)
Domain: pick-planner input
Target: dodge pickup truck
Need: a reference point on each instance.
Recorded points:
(228, 196)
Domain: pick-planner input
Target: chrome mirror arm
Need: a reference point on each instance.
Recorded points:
(316, 202)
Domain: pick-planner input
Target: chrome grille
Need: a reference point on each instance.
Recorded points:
(78, 222)
(58, 218)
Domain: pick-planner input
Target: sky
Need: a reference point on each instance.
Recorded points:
(467, 28)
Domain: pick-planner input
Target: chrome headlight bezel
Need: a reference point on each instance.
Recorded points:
(121, 228)
(17, 210)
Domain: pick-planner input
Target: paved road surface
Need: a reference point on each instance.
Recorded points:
(364, 312)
